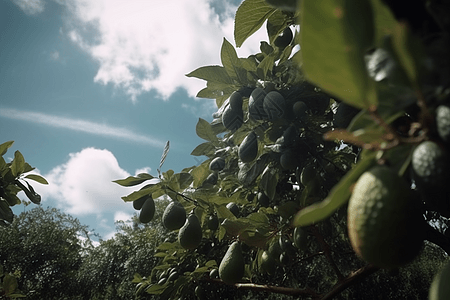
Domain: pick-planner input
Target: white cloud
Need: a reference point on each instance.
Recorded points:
(144, 45)
(30, 7)
(83, 185)
(80, 125)
(122, 216)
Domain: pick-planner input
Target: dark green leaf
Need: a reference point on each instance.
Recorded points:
(269, 181)
(275, 25)
(9, 284)
(250, 16)
(337, 197)
(132, 180)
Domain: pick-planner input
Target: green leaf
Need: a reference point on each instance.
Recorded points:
(132, 180)
(9, 284)
(5, 211)
(265, 66)
(409, 52)
(335, 35)
(269, 181)
(37, 178)
(212, 73)
(200, 173)
(250, 16)
(232, 63)
(18, 164)
(4, 147)
(148, 190)
(203, 149)
(384, 20)
(337, 197)
(137, 278)
(181, 180)
(157, 289)
(205, 131)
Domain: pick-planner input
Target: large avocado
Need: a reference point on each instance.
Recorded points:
(248, 149)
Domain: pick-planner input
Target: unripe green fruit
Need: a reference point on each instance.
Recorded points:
(443, 122)
(274, 105)
(190, 235)
(308, 174)
(430, 164)
(284, 39)
(232, 119)
(147, 211)
(385, 224)
(300, 238)
(138, 203)
(248, 149)
(267, 264)
(234, 208)
(236, 101)
(256, 104)
(263, 200)
(232, 266)
(440, 288)
(217, 164)
(174, 216)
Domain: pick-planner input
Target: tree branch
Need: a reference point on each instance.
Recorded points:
(350, 280)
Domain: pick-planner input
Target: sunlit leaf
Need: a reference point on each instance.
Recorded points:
(18, 164)
(232, 63)
(334, 37)
(212, 73)
(205, 131)
(203, 149)
(5, 146)
(250, 16)
(37, 178)
(134, 180)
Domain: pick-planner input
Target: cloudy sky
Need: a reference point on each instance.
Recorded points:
(91, 90)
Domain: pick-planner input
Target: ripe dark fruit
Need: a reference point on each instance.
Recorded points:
(300, 109)
(232, 119)
(217, 164)
(174, 216)
(263, 200)
(147, 211)
(284, 39)
(344, 115)
(211, 179)
(256, 104)
(288, 160)
(234, 208)
(236, 101)
(443, 122)
(248, 150)
(137, 204)
(274, 105)
(213, 222)
(190, 235)
(232, 266)
(385, 224)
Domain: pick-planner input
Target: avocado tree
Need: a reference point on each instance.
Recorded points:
(325, 161)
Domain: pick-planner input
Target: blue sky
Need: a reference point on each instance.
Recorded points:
(90, 91)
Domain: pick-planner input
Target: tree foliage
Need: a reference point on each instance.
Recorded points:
(45, 248)
(288, 162)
